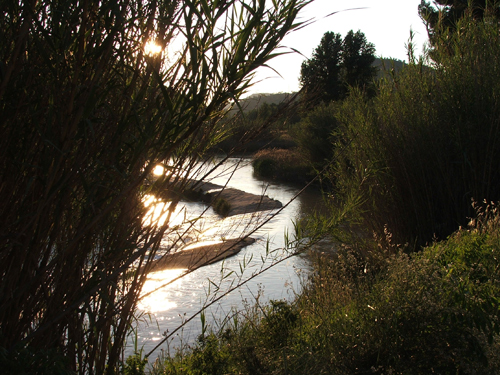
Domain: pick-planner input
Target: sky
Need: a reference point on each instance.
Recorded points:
(385, 23)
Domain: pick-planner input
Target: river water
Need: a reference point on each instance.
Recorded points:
(163, 311)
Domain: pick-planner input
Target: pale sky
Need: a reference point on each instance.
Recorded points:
(385, 23)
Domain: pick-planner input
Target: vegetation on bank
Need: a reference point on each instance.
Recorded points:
(301, 144)
(378, 311)
(336, 65)
(260, 126)
(429, 142)
(221, 206)
(425, 145)
(282, 165)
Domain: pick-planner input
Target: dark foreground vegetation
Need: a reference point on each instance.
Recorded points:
(411, 165)
(87, 113)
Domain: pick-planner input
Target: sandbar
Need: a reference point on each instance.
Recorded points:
(202, 255)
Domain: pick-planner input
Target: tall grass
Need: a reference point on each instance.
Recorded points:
(85, 116)
(429, 142)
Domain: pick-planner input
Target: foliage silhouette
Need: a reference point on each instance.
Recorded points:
(86, 114)
(442, 20)
(337, 64)
(428, 143)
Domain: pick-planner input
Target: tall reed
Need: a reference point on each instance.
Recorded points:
(429, 142)
(85, 115)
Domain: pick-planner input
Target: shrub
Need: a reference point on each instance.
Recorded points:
(221, 206)
(314, 134)
(207, 356)
(383, 312)
(428, 143)
(135, 364)
(282, 165)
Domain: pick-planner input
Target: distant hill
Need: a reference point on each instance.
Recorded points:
(254, 101)
(385, 66)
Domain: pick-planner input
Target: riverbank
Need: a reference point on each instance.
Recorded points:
(285, 165)
(379, 314)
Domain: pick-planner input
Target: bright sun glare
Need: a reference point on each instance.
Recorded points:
(152, 48)
(158, 170)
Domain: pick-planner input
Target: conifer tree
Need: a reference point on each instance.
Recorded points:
(337, 64)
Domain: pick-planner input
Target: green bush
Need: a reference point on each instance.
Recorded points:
(383, 311)
(314, 134)
(278, 323)
(435, 312)
(221, 206)
(428, 143)
(264, 167)
(135, 364)
(377, 311)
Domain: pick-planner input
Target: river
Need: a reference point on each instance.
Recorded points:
(163, 311)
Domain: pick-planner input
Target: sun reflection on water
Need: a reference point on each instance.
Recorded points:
(158, 211)
(161, 299)
(171, 304)
(201, 243)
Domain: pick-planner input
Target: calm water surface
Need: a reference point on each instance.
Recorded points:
(164, 310)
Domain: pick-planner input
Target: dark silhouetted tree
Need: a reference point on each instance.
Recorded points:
(320, 75)
(337, 64)
(357, 60)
